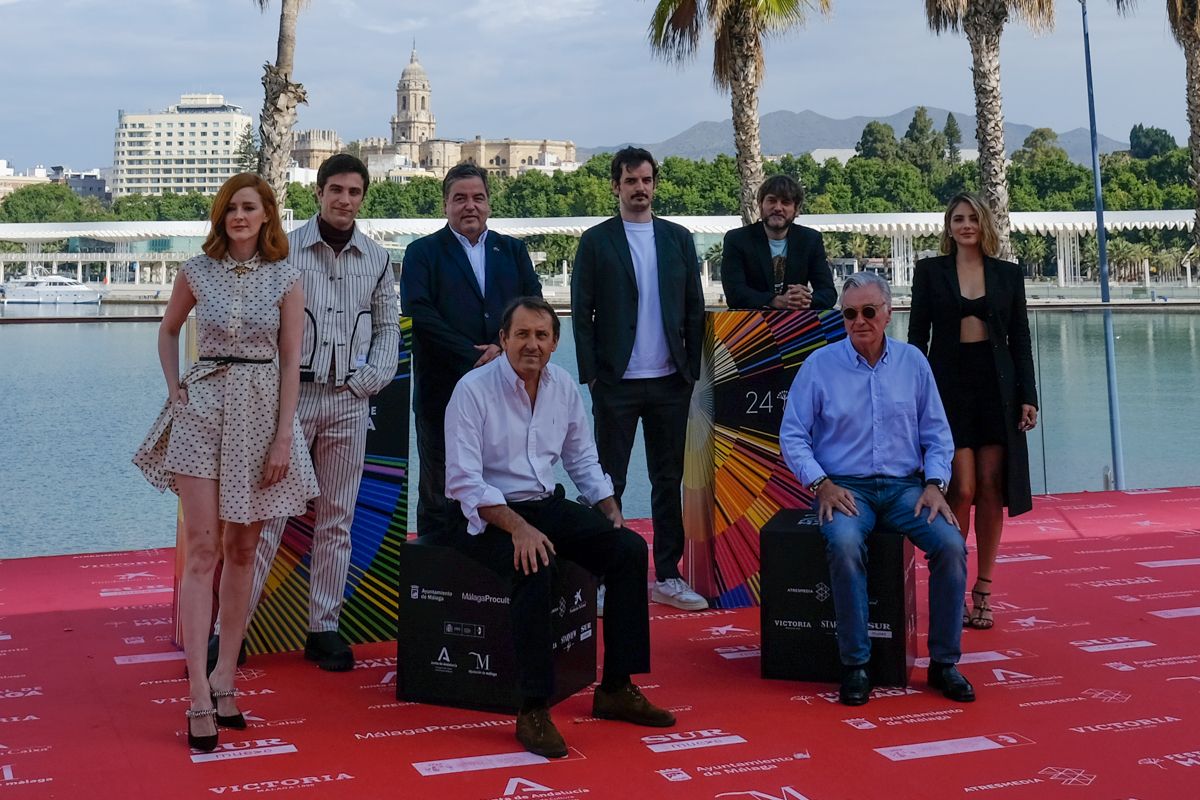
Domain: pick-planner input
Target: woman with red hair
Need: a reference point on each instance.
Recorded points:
(228, 441)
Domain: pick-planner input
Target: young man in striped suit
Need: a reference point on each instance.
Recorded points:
(349, 353)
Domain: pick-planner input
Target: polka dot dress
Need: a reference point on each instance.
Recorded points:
(227, 426)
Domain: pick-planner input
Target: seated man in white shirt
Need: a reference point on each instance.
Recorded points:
(508, 424)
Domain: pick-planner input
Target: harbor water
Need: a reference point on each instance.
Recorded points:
(76, 398)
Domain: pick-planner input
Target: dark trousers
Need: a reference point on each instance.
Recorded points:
(433, 512)
(662, 405)
(585, 536)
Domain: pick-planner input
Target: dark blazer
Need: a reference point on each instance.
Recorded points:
(748, 279)
(934, 324)
(438, 289)
(604, 298)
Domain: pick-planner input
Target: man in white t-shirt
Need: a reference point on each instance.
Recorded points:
(638, 313)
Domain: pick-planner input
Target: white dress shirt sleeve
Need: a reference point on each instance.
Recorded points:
(465, 418)
(579, 456)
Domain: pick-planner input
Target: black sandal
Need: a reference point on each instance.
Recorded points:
(981, 615)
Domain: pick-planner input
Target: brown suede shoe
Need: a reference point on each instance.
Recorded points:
(537, 734)
(629, 704)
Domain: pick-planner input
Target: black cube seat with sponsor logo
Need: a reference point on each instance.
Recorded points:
(799, 628)
(454, 644)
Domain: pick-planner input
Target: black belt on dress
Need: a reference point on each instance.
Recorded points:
(237, 360)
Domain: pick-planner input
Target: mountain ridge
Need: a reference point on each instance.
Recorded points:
(798, 132)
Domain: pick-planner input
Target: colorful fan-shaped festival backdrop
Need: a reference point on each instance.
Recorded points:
(734, 476)
(379, 528)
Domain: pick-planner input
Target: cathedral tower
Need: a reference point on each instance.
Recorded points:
(414, 120)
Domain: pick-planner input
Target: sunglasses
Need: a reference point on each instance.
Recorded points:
(868, 312)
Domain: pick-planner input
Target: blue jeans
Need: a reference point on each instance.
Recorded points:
(891, 502)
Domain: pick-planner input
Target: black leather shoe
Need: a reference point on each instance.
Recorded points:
(329, 651)
(856, 687)
(952, 683)
(214, 648)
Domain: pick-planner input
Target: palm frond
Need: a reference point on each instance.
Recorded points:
(1038, 14)
(945, 15)
(675, 28)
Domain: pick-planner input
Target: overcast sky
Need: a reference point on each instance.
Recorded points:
(564, 69)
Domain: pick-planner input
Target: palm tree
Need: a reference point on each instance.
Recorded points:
(279, 102)
(738, 28)
(983, 21)
(1184, 19)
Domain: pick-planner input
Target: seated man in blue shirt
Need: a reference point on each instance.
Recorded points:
(508, 424)
(865, 431)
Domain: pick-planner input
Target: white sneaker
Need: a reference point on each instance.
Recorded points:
(676, 592)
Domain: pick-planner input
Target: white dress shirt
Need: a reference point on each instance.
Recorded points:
(500, 449)
(476, 255)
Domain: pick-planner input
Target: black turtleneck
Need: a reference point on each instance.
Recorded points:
(334, 237)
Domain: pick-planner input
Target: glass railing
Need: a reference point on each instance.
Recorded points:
(1158, 389)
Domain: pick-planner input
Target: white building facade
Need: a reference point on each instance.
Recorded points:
(192, 146)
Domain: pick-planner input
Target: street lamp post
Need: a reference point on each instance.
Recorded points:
(1110, 356)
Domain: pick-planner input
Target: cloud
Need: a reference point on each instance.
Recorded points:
(502, 15)
(377, 21)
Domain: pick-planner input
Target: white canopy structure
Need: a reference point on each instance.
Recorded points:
(1065, 226)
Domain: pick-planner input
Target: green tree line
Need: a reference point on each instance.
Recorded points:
(919, 171)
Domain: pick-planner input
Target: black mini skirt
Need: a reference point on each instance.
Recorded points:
(974, 408)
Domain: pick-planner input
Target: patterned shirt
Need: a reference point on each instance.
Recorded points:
(352, 324)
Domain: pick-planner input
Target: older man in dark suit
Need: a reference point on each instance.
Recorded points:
(638, 312)
(455, 285)
(774, 263)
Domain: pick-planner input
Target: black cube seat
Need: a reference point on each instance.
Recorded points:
(454, 644)
(799, 627)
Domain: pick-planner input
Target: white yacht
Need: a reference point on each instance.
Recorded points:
(48, 289)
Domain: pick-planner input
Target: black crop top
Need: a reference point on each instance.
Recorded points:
(974, 308)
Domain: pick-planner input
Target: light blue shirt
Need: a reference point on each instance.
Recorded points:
(477, 255)
(845, 417)
(778, 247)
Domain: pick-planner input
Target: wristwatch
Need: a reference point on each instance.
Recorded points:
(938, 482)
(812, 487)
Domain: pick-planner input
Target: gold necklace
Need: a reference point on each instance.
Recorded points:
(241, 268)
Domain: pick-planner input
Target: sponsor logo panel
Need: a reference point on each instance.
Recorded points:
(947, 747)
(251, 748)
(691, 740)
(447, 766)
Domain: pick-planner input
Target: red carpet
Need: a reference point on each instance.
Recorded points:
(1089, 687)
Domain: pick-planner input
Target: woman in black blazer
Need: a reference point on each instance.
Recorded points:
(968, 314)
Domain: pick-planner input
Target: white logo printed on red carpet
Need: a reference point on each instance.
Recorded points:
(947, 747)
(737, 651)
(785, 793)
(281, 783)
(10, 777)
(1126, 725)
(1110, 643)
(1189, 759)
(13, 694)
(1068, 776)
(691, 740)
(251, 748)
(674, 774)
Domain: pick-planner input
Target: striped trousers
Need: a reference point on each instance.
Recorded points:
(335, 429)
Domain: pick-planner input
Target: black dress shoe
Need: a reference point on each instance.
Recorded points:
(329, 651)
(214, 649)
(952, 683)
(856, 687)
